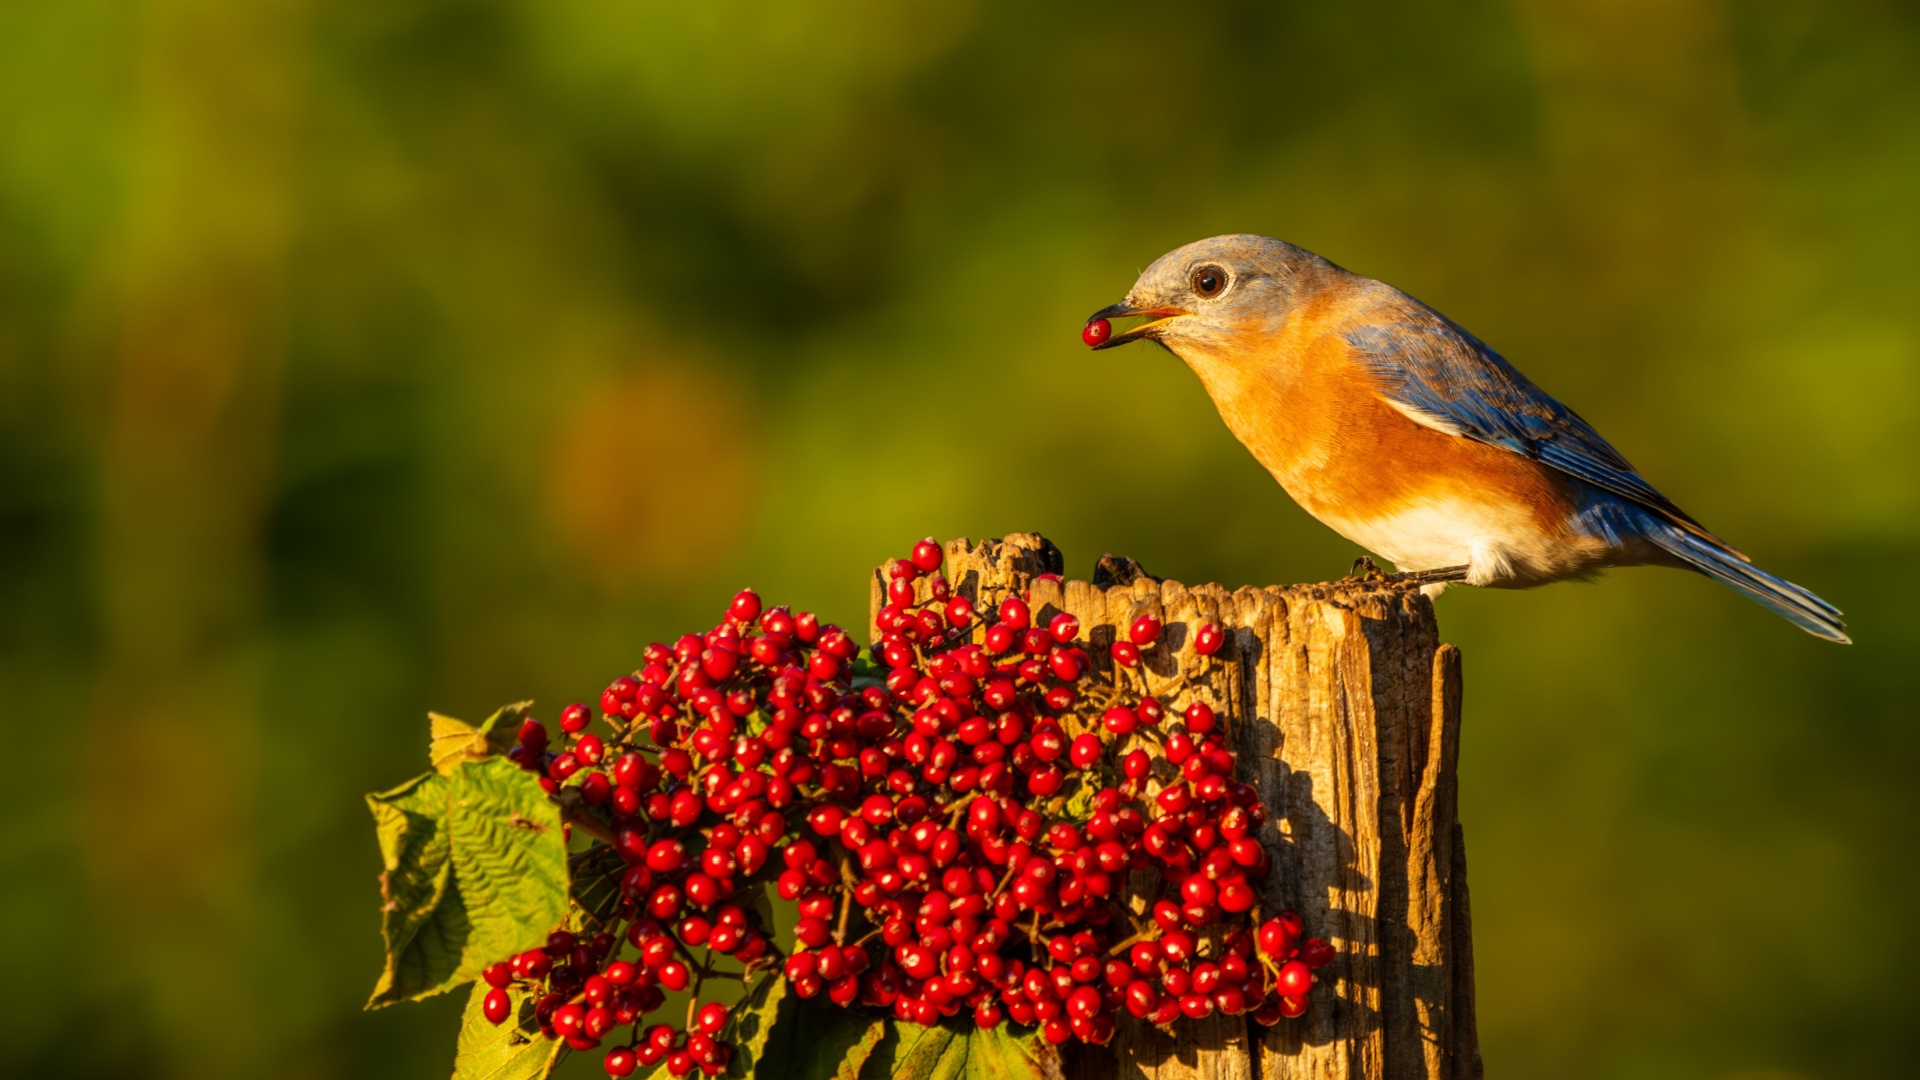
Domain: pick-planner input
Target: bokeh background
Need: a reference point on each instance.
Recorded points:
(357, 359)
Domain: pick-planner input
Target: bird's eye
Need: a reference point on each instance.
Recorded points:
(1208, 281)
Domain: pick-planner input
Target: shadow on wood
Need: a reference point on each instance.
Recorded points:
(1343, 699)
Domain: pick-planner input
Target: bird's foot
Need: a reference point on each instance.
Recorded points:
(1366, 569)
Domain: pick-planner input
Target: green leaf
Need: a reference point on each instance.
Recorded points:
(865, 672)
(476, 870)
(1080, 805)
(762, 907)
(596, 874)
(451, 741)
(956, 1051)
(818, 1040)
(513, 1051)
(751, 1023)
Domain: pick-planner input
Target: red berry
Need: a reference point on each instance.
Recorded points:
(703, 891)
(674, 975)
(1294, 979)
(1045, 781)
(1199, 717)
(620, 1062)
(711, 1018)
(1063, 627)
(745, 607)
(719, 662)
(1068, 664)
(1198, 891)
(496, 1006)
(959, 613)
(1086, 750)
(1296, 926)
(812, 932)
(533, 735)
(1179, 748)
(1014, 614)
(1175, 798)
(598, 990)
(926, 555)
(1317, 952)
(665, 856)
(574, 718)
(572, 1019)
(1235, 896)
(1208, 639)
(999, 639)
(1145, 630)
(590, 749)
(1096, 332)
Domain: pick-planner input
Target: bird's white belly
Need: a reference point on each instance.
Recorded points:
(1496, 543)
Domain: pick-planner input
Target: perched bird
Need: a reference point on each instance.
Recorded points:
(1405, 434)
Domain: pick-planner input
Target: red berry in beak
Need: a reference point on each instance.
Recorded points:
(1096, 332)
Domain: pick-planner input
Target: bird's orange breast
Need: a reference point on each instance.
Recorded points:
(1320, 422)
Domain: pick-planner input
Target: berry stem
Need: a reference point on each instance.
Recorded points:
(574, 813)
(693, 992)
(1004, 878)
(847, 881)
(1129, 943)
(846, 909)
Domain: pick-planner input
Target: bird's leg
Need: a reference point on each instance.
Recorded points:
(1365, 569)
(1431, 577)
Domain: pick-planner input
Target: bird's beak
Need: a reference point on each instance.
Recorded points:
(1157, 317)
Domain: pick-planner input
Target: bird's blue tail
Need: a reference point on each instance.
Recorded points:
(1791, 602)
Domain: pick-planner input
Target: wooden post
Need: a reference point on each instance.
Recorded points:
(1345, 704)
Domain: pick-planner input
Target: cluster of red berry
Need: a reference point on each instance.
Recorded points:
(966, 806)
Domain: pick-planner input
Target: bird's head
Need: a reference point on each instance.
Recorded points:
(1203, 297)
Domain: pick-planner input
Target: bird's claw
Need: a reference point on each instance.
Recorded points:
(1366, 569)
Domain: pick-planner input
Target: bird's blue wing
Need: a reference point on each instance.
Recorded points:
(1451, 380)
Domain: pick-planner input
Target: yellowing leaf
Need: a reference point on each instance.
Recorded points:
(451, 741)
(514, 1050)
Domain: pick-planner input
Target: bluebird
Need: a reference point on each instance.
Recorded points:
(1409, 436)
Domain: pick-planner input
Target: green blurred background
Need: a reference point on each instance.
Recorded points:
(357, 359)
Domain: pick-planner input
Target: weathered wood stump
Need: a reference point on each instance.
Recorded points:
(1345, 702)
